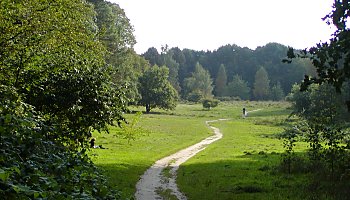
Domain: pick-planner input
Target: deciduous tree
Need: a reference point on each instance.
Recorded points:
(238, 88)
(199, 82)
(332, 58)
(156, 90)
(277, 93)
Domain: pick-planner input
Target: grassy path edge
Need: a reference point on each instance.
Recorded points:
(155, 181)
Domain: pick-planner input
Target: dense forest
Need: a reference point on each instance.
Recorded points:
(239, 72)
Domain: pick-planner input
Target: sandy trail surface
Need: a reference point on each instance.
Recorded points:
(153, 181)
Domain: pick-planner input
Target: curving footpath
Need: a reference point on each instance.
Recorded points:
(152, 182)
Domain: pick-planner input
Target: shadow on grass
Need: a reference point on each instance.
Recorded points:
(254, 176)
(123, 177)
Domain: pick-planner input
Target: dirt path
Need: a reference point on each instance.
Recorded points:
(161, 176)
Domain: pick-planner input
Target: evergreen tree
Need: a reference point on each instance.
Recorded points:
(220, 81)
(261, 89)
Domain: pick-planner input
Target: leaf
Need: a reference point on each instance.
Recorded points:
(4, 175)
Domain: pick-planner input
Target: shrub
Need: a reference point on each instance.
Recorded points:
(210, 103)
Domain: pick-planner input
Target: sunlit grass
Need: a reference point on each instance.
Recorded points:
(165, 132)
(124, 162)
(240, 166)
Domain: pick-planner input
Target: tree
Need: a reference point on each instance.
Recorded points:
(331, 59)
(152, 56)
(220, 81)
(55, 88)
(199, 82)
(261, 89)
(51, 55)
(238, 88)
(156, 90)
(210, 103)
(277, 93)
(323, 119)
(116, 34)
(173, 66)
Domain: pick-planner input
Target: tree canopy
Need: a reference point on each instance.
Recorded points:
(156, 90)
(238, 88)
(261, 85)
(221, 81)
(199, 83)
(56, 87)
(243, 62)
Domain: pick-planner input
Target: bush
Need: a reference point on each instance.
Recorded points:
(195, 96)
(210, 103)
(33, 167)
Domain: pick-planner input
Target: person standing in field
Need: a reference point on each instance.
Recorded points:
(244, 114)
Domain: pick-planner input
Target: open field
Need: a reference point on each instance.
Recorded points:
(238, 166)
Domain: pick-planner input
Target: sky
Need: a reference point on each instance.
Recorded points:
(210, 24)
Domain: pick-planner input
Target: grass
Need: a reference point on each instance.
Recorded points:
(238, 166)
(124, 162)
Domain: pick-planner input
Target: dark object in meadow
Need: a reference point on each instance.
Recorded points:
(244, 114)
(92, 142)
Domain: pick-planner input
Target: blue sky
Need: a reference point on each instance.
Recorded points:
(209, 24)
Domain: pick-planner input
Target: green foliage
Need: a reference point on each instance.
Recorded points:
(319, 104)
(50, 54)
(238, 88)
(243, 62)
(32, 167)
(195, 96)
(55, 89)
(210, 103)
(261, 89)
(331, 59)
(323, 125)
(116, 34)
(200, 81)
(220, 81)
(277, 93)
(156, 90)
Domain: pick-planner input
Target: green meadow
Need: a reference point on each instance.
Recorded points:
(244, 164)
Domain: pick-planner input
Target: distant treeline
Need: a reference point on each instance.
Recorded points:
(232, 67)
